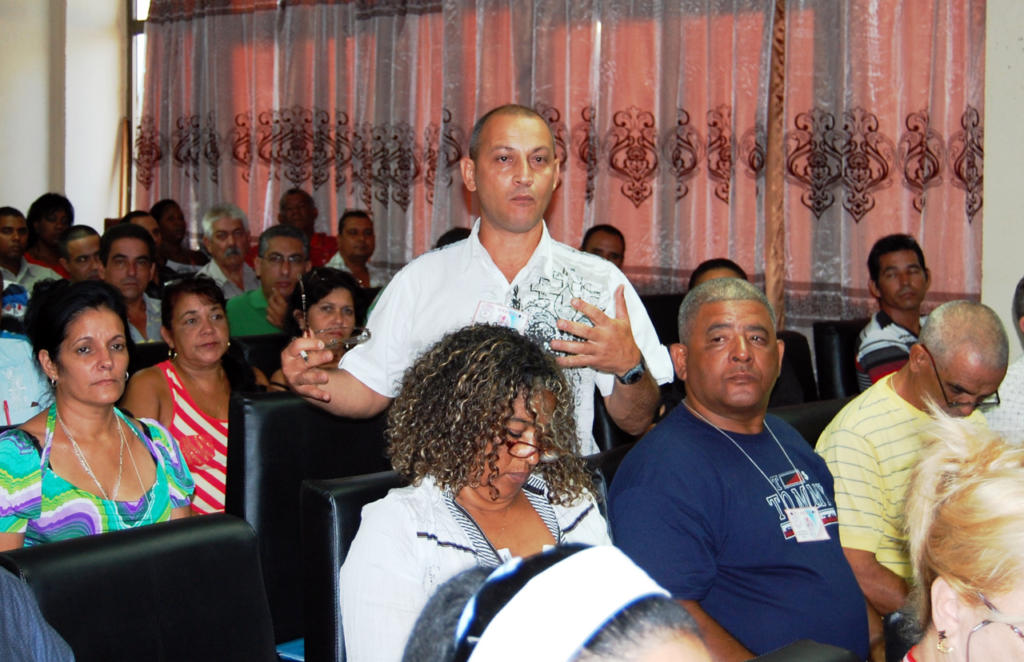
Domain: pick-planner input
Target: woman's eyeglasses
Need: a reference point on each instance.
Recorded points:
(988, 621)
(524, 449)
(359, 335)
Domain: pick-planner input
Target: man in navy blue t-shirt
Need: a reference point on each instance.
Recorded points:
(730, 509)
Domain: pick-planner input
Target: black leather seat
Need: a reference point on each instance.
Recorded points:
(811, 418)
(331, 513)
(607, 434)
(835, 354)
(796, 382)
(147, 354)
(263, 351)
(663, 309)
(275, 441)
(188, 589)
(806, 650)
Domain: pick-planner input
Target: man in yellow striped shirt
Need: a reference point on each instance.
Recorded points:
(872, 445)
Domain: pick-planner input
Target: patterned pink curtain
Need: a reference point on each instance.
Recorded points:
(883, 110)
(659, 110)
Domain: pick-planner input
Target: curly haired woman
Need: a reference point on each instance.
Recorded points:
(484, 430)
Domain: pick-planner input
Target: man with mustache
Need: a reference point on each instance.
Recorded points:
(226, 239)
(728, 507)
(899, 281)
(128, 255)
(508, 272)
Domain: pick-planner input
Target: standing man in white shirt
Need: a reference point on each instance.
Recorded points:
(510, 271)
(226, 239)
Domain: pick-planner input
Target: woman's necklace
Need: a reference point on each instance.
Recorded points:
(85, 463)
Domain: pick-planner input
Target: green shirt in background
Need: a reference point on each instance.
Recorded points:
(247, 314)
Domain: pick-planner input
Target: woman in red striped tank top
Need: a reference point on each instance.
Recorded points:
(189, 392)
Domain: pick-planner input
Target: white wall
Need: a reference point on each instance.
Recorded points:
(1003, 238)
(24, 113)
(63, 80)
(96, 89)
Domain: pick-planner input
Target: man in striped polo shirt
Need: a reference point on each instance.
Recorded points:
(872, 445)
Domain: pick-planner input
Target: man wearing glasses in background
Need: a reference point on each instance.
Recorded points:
(283, 258)
(872, 445)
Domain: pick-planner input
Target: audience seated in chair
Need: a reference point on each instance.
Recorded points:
(329, 304)
(297, 209)
(189, 393)
(283, 258)
(965, 517)
(899, 282)
(700, 502)
(873, 443)
(226, 239)
(481, 430)
(128, 254)
(173, 254)
(48, 216)
(79, 248)
(605, 241)
(83, 466)
(584, 604)
(356, 243)
(14, 268)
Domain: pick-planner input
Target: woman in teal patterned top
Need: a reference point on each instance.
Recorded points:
(83, 466)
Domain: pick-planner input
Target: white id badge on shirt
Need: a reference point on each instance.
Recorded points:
(807, 524)
(488, 312)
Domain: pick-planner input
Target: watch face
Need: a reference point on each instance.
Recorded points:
(633, 375)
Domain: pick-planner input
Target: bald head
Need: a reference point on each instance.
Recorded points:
(960, 327)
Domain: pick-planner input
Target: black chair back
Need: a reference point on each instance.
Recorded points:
(263, 351)
(275, 441)
(147, 354)
(607, 434)
(331, 513)
(663, 309)
(806, 650)
(811, 418)
(835, 354)
(796, 382)
(180, 590)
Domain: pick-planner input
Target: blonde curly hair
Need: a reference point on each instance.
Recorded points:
(964, 514)
(456, 399)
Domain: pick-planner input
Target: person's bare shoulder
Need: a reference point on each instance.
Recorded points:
(145, 393)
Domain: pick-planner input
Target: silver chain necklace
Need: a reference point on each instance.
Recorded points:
(85, 463)
(741, 449)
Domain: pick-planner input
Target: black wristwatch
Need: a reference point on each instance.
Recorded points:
(634, 374)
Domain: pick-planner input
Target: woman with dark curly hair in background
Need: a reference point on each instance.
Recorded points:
(484, 430)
